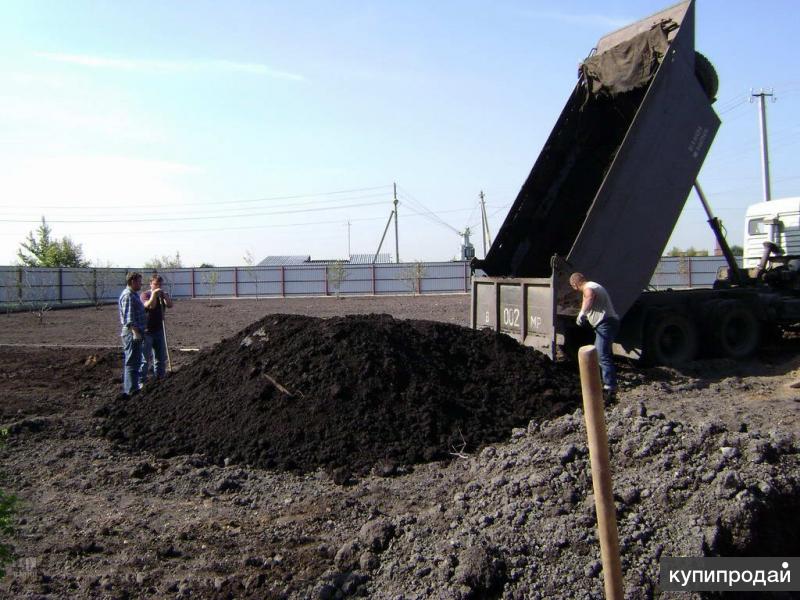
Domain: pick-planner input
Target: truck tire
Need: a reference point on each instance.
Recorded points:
(706, 75)
(670, 339)
(737, 332)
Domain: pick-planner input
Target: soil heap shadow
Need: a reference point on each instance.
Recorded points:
(348, 393)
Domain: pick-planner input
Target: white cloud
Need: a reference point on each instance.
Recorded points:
(172, 66)
(586, 19)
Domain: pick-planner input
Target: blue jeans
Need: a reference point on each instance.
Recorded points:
(154, 348)
(132, 359)
(604, 335)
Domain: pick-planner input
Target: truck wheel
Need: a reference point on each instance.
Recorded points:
(736, 330)
(707, 75)
(671, 339)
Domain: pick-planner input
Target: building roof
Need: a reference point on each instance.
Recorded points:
(355, 259)
(366, 259)
(276, 261)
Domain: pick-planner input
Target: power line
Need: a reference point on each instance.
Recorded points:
(148, 219)
(733, 107)
(433, 217)
(410, 214)
(232, 211)
(469, 219)
(432, 214)
(227, 202)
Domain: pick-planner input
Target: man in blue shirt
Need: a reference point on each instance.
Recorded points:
(133, 321)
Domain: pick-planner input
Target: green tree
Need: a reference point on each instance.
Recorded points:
(337, 273)
(737, 250)
(97, 282)
(690, 251)
(211, 279)
(413, 275)
(42, 250)
(251, 270)
(164, 262)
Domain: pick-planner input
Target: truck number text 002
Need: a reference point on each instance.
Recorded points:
(511, 317)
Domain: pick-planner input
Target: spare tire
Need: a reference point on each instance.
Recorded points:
(670, 339)
(706, 75)
(737, 332)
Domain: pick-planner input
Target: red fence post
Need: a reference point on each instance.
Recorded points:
(373, 279)
(61, 286)
(690, 271)
(192, 273)
(235, 282)
(283, 282)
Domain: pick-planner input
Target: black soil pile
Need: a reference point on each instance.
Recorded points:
(346, 393)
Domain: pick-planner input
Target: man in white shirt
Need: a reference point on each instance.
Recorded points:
(598, 311)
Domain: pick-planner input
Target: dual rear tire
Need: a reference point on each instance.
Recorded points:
(672, 338)
(736, 331)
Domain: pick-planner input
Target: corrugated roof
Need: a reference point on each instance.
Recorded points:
(277, 261)
(355, 259)
(366, 259)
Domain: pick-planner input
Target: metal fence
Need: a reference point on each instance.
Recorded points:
(678, 272)
(25, 286)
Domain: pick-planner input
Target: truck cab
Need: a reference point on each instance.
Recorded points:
(776, 221)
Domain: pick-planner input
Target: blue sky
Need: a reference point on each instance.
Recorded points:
(214, 129)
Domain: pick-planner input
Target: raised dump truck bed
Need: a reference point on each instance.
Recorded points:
(609, 185)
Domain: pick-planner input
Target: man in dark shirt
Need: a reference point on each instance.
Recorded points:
(154, 346)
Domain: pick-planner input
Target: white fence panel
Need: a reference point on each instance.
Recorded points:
(23, 286)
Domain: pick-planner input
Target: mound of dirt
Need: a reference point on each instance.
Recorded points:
(345, 394)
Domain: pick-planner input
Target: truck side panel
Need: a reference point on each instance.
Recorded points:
(646, 188)
(521, 308)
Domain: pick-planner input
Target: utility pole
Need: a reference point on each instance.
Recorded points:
(487, 237)
(396, 239)
(764, 150)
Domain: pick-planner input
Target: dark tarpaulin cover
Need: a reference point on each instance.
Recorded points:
(626, 66)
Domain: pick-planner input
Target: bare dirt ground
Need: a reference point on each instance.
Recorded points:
(703, 457)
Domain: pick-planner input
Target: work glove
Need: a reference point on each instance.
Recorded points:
(581, 320)
(137, 334)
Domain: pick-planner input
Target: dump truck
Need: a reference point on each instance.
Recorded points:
(603, 198)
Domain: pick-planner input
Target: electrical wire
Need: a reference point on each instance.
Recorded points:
(149, 219)
(232, 211)
(409, 214)
(472, 214)
(430, 215)
(424, 208)
(228, 202)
